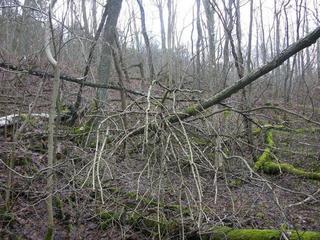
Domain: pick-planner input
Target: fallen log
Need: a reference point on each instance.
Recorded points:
(266, 163)
(226, 233)
(44, 74)
(16, 118)
(278, 60)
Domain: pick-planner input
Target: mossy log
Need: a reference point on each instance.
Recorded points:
(151, 224)
(225, 233)
(155, 225)
(266, 164)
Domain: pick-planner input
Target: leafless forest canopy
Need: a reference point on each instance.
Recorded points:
(160, 119)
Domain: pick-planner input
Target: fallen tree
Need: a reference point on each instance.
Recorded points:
(164, 225)
(44, 74)
(193, 110)
(15, 118)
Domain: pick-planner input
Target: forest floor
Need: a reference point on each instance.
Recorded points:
(232, 197)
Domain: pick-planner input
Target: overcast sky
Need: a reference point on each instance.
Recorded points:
(185, 15)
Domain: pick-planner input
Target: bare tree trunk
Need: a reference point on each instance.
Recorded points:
(199, 45)
(88, 64)
(318, 60)
(170, 23)
(146, 41)
(84, 17)
(51, 125)
(192, 45)
(211, 31)
(318, 45)
(298, 11)
(257, 58)
(249, 61)
(162, 28)
(211, 38)
(277, 75)
(104, 67)
(170, 41)
(263, 40)
(306, 21)
(135, 29)
(248, 98)
(288, 67)
(27, 32)
(94, 16)
(123, 76)
(229, 22)
(238, 57)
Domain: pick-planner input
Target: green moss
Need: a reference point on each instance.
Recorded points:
(109, 215)
(26, 160)
(308, 235)
(269, 138)
(270, 167)
(235, 183)
(266, 155)
(49, 234)
(6, 216)
(191, 110)
(253, 234)
(58, 205)
(151, 223)
(256, 131)
(307, 130)
(263, 159)
(81, 133)
(222, 233)
(260, 215)
(28, 119)
(275, 168)
(218, 233)
(265, 163)
(200, 141)
(226, 113)
(83, 129)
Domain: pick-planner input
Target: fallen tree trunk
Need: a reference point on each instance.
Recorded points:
(40, 73)
(190, 111)
(226, 233)
(15, 118)
(294, 48)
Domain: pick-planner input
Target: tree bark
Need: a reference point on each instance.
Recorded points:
(51, 125)
(146, 40)
(162, 28)
(199, 45)
(104, 67)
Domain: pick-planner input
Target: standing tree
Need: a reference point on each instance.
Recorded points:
(104, 68)
(146, 40)
(52, 117)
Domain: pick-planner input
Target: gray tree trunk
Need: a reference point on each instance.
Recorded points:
(146, 40)
(104, 67)
(162, 28)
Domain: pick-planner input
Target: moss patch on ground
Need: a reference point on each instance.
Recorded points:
(257, 234)
(266, 164)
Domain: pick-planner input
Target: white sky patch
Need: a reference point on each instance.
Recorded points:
(185, 17)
